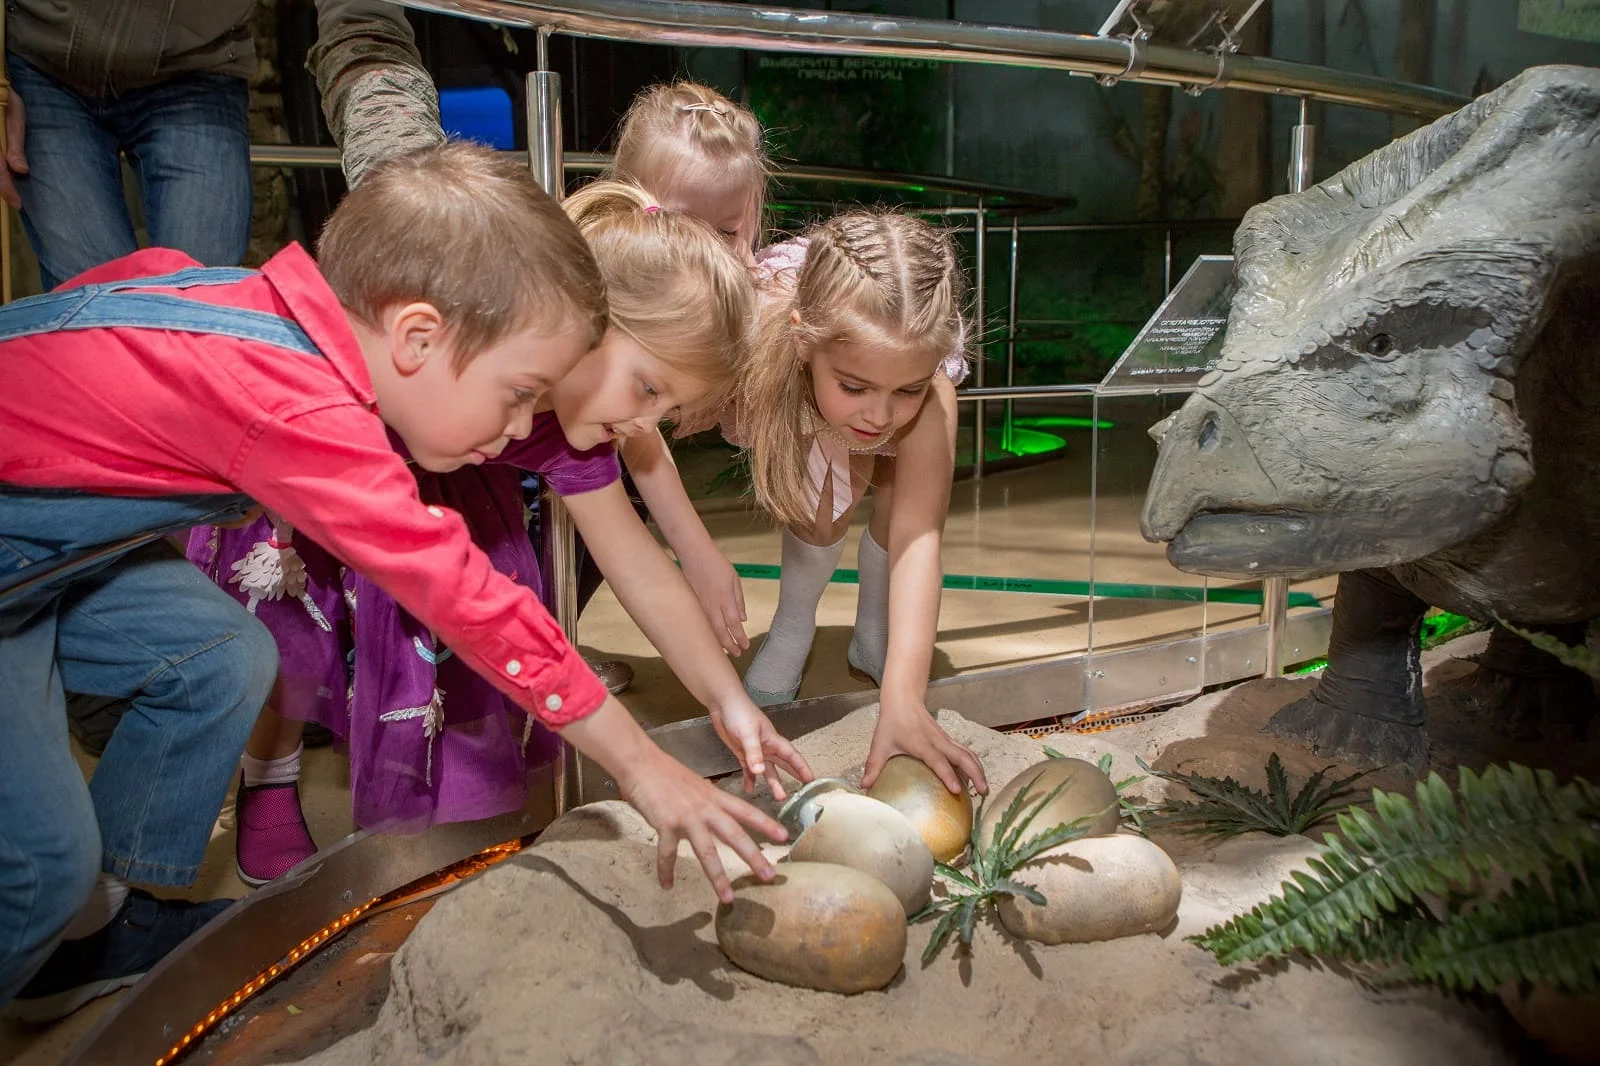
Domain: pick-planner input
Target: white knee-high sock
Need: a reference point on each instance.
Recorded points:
(869, 644)
(279, 771)
(105, 900)
(782, 658)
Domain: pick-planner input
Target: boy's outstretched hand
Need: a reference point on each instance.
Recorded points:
(906, 728)
(676, 803)
(759, 747)
(682, 806)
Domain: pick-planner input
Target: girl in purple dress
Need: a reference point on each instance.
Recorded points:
(428, 742)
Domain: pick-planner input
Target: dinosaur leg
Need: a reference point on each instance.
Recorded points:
(1367, 709)
(1525, 693)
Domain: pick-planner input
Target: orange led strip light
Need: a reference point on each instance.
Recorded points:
(425, 886)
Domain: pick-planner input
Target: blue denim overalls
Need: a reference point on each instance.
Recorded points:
(93, 600)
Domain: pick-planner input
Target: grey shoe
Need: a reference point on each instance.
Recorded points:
(614, 674)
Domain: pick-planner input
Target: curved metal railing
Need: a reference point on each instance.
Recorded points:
(778, 29)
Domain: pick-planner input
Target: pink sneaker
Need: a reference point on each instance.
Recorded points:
(273, 836)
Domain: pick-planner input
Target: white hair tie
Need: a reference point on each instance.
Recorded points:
(715, 109)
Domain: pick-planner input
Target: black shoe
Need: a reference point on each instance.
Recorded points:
(614, 674)
(144, 931)
(92, 719)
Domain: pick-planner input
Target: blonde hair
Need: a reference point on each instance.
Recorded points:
(469, 231)
(671, 283)
(685, 133)
(871, 278)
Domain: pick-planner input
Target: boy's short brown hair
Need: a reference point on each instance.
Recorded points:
(468, 230)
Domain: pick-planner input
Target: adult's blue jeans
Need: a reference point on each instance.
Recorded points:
(142, 624)
(188, 142)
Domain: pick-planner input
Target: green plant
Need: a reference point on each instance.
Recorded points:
(1494, 883)
(1133, 813)
(1579, 658)
(1226, 807)
(992, 869)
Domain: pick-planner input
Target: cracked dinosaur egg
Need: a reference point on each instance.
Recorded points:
(871, 836)
(944, 818)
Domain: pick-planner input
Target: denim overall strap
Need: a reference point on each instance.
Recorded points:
(48, 536)
(126, 305)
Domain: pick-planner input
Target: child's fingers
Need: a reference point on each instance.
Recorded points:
(666, 857)
(789, 757)
(728, 830)
(774, 784)
(732, 806)
(972, 767)
(941, 765)
(754, 760)
(705, 849)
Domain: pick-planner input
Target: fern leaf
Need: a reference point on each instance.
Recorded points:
(940, 934)
(967, 920)
(1017, 888)
(1278, 799)
(1058, 834)
(950, 873)
(1514, 821)
(1536, 932)
(1007, 835)
(1579, 658)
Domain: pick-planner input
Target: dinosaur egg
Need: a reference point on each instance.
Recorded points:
(815, 925)
(1087, 793)
(871, 836)
(1096, 888)
(944, 818)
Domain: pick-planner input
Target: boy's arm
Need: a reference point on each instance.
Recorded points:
(710, 575)
(331, 473)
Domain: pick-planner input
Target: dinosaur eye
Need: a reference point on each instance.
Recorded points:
(1210, 434)
(1380, 344)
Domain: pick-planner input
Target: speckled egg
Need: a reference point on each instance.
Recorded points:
(870, 836)
(944, 818)
(816, 925)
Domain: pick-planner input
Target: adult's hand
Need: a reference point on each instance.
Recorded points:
(16, 161)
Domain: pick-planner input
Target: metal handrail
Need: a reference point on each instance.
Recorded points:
(778, 29)
(998, 197)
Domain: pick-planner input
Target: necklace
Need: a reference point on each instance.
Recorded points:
(816, 424)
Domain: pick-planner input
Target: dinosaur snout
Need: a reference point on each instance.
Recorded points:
(1206, 464)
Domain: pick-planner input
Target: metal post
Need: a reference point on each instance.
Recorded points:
(978, 444)
(1011, 336)
(1275, 590)
(544, 159)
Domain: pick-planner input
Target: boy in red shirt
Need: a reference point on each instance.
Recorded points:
(151, 394)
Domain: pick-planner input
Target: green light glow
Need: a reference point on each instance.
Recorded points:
(1062, 422)
(1031, 442)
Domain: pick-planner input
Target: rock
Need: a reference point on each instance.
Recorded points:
(1088, 792)
(1097, 888)
(944, 818)
(816, 925)
(871, 836)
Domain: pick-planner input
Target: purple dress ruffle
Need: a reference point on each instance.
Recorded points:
(430, 741)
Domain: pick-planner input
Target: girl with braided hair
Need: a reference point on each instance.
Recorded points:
(850, 384)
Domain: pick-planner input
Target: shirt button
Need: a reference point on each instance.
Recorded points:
(437, 512)
(514, 667)
(552, 702)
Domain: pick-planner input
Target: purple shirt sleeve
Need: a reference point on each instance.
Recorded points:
(546, 452)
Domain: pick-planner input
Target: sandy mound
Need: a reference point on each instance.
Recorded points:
(570, 954)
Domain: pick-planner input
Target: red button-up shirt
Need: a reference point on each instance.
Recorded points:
(143, 412)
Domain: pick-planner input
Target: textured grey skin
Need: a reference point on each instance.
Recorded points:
(1410, 384)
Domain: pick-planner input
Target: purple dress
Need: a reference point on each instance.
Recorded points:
(430, 741)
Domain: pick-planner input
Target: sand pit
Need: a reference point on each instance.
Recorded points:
(570, 954)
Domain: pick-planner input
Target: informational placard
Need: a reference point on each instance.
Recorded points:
(1183, 339)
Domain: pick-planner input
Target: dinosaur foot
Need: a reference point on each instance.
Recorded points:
(1357, 739)
(1557, 707)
